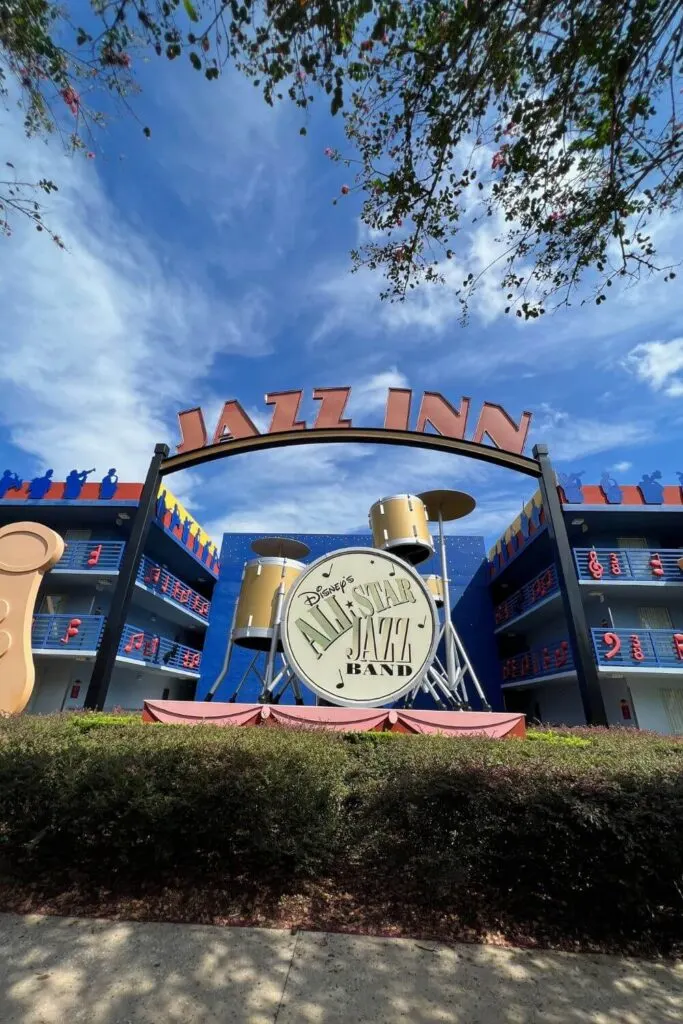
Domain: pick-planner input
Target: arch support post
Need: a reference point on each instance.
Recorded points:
(108, 649)
(570, 591)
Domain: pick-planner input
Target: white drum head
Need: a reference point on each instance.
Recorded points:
(360, 627)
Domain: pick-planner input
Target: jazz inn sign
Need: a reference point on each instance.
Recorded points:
(435, 414)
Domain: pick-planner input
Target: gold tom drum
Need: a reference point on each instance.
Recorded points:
(435, 588)
(399, 524)
(257, 602)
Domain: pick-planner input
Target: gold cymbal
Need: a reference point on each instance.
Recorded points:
(280, 547)
(451, 504)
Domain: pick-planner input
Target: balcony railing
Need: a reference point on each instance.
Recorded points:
(638, 648)
(549, 660)
(69, 633)
(82, 633)
(526, 597)
(91, 556)
(160, 581)
(616, 565)
(158, 651)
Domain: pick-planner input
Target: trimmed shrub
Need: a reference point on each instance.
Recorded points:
(572, 835)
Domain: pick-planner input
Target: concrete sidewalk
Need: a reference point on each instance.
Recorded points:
(71, 971)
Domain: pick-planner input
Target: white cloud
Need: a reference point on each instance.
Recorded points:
(658, 363)
(370, 394)
(621, 467)
(570, 437)
(102, 343)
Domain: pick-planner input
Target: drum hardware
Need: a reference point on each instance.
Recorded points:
(445, 506)
(400, 525)
(256, 621)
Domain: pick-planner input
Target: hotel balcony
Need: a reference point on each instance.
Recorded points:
(537, 594)
(641, 650)
(537, 665)
(84, 559)
(632, 567)
(177, 595)
(80, 635)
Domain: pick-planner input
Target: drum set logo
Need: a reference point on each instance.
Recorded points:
(367, 641)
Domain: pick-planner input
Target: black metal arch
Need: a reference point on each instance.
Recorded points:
(351, 435)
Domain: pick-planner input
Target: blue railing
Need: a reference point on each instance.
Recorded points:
(153, 650)
(638, 648)
(66, 632)
(615, 565)
(526, 597)
(91, 556)
(160, 581)
(549, 660)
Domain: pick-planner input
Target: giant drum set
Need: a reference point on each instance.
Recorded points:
(357, 622)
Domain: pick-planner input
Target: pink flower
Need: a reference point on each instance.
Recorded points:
(345, 190)
(90, 155)
(301, 75)
(399, 223)
(71, 98)
(557, 215)
(328, 151)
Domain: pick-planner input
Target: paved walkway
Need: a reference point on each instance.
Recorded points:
(56, 970)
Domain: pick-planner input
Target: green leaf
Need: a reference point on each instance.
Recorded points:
(195, 61)
(191, 10)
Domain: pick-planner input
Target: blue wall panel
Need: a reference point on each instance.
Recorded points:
(473, 613)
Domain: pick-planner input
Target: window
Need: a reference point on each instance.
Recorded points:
(673, 705)
(655, 618)
(77, 535)
(53, 604)
(632, 542)
(165, 694)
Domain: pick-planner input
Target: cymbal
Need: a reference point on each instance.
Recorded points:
(280, 547)
(452, 504)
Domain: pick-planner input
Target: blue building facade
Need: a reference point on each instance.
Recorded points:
(627, 544)
(160, 648)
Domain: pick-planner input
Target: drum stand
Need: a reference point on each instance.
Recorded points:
(447, 686)
(273, 686)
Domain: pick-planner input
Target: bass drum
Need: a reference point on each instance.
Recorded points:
(399, 524)
(257, 602)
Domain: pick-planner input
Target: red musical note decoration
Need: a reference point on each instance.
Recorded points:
(190, 659)
(180, 593)
(153, 574)
(135, 642)
(656, 565)
(561, 654)
(614, 564)
(678, 645)
(151, 646)
(614, 643)
(594, 567)
(94, 556)
(200, 605)
(636, 648)
(71, 631)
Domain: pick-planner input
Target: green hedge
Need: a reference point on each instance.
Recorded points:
(566, 834)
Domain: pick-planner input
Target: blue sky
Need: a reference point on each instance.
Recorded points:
(209, 263)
